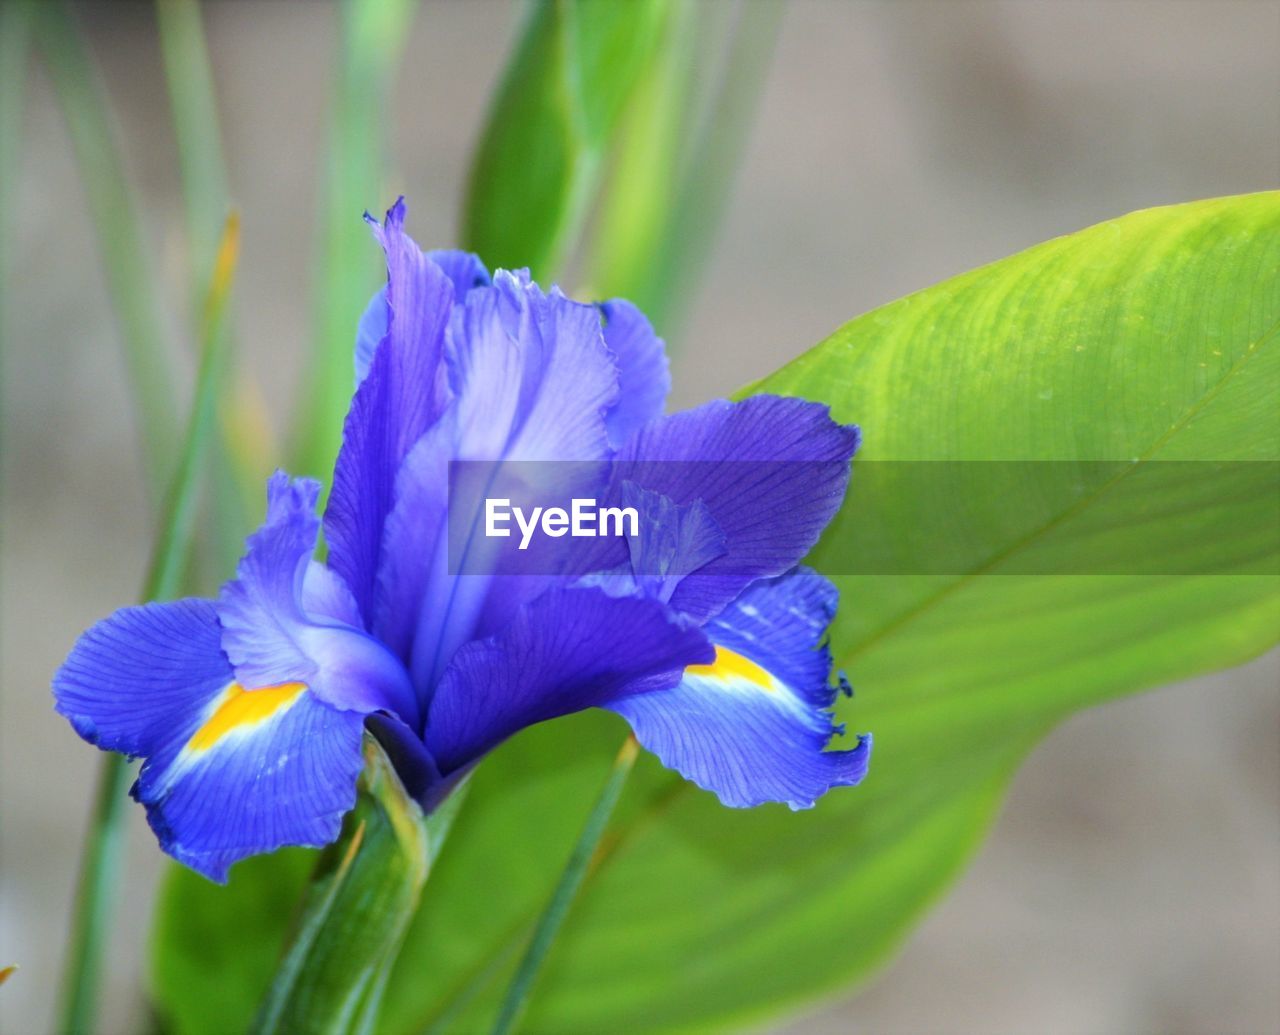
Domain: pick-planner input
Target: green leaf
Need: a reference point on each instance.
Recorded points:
(215, 947)
(1151, 336)
(116, 219)
(1148, 338)
(538, 163)
(677, 155)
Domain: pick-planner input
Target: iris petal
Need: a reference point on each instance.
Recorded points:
(402, 395)
(752, 725)
(772, 472)
(644, 376)
(568, 650)
(229, 772)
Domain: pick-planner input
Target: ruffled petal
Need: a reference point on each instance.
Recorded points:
(464, 270)
(270, 636)
(402, 395)
(752, 726)
(531, 380)
(260, 611)
(568, 650)
(771, 471)
(531, 373)
(644, 376)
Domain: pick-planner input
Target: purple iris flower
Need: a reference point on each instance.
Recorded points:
(698, 629)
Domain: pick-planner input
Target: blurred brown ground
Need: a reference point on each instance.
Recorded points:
(1133, 883)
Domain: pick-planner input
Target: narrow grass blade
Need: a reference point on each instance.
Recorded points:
(95, 896)
(237, 473)
(575, 871)
(372, 34)
(116, 221)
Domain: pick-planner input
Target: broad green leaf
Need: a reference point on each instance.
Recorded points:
(538, 163)
(1149, 337)
(1130, 373)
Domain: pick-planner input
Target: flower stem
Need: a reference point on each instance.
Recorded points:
(95, 896)
(566, 891)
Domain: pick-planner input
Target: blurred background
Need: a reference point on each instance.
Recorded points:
(1133, 881)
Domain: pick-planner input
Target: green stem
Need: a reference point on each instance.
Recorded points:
(575, 871)
(95, 896)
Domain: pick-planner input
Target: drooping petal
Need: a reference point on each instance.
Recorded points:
(229, 772)
(568, 650)
(752, 725)
(280, 772)
(771, 471)
(644, 377)
(402, 395)
(141, 672)
(271, 638)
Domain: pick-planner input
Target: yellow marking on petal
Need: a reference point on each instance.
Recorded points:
(728, 664)
(239, 707)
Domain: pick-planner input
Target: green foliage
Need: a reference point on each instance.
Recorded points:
(116, 220)
(678, 152)
(538, 165)
(371, 41)
(1147, 339)
(214, 948)
(354, 914)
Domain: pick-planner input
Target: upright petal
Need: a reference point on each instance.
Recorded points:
(568, 650)
(752, 726)
(531, 374)
(464, 270)
(370, 331)
(531, 380)
(771, 471)
(229, 772)
(644, 377)
(402, 395)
